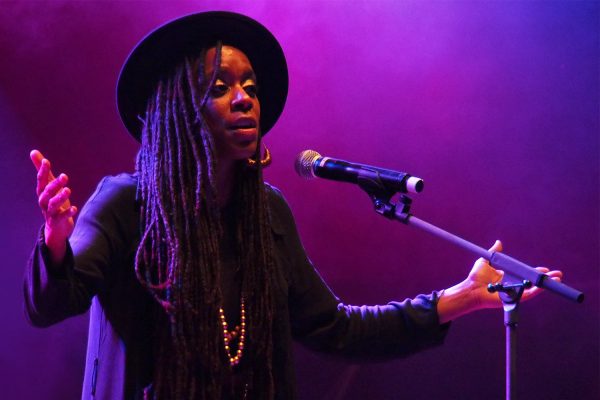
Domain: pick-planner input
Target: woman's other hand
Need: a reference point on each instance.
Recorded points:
(53, 199)
(472, 294)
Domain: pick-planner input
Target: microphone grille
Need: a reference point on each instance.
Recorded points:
(304, 163)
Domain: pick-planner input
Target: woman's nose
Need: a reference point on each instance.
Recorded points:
(241, 100)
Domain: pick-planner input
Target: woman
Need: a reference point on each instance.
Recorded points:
(195, 274)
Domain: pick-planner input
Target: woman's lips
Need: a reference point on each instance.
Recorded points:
(244, 126)
(244, 136)
(243, 123)
(244, 130)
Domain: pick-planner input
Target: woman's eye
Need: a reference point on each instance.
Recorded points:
(218, 90)
(252, 90)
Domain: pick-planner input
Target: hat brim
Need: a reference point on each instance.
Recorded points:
(156, 55)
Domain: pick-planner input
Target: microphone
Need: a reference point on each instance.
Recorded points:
(310, 164)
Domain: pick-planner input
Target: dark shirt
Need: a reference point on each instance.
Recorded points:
(98, 272)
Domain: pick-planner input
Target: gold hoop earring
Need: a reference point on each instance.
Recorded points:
(264, 162)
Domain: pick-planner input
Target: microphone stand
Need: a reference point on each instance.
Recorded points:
(510, 293)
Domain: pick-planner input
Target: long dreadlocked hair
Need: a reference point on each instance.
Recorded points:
(178, 258)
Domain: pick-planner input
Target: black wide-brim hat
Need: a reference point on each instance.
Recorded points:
(166, 47)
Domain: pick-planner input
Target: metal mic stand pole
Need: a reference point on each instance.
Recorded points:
(510, 294)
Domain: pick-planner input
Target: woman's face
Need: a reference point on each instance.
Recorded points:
(232, 110)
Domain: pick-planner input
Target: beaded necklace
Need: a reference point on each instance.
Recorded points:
(238, 333)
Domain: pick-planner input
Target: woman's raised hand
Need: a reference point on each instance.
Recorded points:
(53, 199)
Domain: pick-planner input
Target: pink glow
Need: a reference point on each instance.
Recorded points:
(494, 104)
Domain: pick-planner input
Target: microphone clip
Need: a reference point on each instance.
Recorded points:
(382, 198)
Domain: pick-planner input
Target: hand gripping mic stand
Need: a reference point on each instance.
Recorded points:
(510, 293)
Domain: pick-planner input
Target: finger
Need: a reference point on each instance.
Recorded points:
(56, 205)
(555, 275)
(50, 174)
(52, 190)
(44, 176)
(500, 275)
(554, 272)
(72, 211)
(497, 246)
(530, 293)
(535, 290)
(56, 188)
(36, 158)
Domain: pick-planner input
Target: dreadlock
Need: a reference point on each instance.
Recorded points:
(178, 258)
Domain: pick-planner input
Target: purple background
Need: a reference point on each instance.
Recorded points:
(494, 104)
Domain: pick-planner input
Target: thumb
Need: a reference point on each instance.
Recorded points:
(497, 246)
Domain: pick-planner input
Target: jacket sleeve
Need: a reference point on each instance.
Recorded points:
(56, 292)
(322, 322)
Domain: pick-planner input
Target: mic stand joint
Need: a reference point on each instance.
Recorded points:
(510, 294)
(382, 199)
